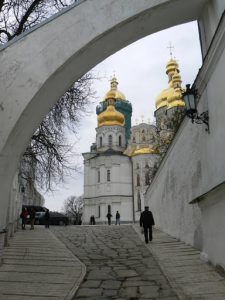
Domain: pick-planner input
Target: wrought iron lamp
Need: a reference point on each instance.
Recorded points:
(190, 99)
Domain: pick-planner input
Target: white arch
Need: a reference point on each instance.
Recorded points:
(40, 66)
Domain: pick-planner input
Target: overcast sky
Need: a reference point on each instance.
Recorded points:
(140, 71)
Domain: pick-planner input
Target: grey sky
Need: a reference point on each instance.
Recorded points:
(140, 71)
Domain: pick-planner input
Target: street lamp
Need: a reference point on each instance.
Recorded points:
(190, 100)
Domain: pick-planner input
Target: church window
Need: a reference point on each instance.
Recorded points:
(120, 141)
(99, 211)
(137, 166)
(134, 139)
(138, 201)
(108, 175)
(147, 179)
(138, 180)
(99, 176)
(146, 165)
(100, 141)
(110, 140)
(143, 136)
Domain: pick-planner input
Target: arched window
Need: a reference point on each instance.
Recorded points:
(100, 141)
(110, 140)
(138, 180)
(99, 176)
(138, 201)
(147, 179)
(108, 175)
(120, 141)
(143, 136)
(137, 166)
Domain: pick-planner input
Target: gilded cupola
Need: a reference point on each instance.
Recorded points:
(146, 150)
(114, 93)
(175, 99)
(172, 96)
(172, 67)
(111, 116)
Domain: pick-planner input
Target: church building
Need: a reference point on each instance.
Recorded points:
(123, 160)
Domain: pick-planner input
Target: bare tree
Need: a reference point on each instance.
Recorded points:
(73, 207)
(19, 15)
(49, 152)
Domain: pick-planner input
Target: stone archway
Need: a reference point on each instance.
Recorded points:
(38, 67)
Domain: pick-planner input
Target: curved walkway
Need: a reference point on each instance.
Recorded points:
(36, 265)
(119, 266)
(39, 266)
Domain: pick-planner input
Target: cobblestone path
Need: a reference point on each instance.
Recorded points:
(119, 266)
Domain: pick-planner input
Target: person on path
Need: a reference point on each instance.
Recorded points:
(147, 221)
(47, 218)
(117, 218)
(32, 218)
(23, 216)
(109, 216)
(92, 220)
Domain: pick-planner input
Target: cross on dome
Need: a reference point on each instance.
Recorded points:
(114, 82)
(171, 47)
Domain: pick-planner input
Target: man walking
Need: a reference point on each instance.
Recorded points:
(117, 218)
(147, 221)
(109, 216)
(32, 218)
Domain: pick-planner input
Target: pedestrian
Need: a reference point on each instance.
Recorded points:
(47, 218)
(23, 216)
(147, 221)
(32, 218)
(92, 220)
(117, 218)
(109, 216)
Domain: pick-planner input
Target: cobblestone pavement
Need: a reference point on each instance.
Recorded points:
(119, 265)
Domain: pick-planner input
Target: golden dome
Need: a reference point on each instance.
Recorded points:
(172, 66)
(172, 96)
(114, 93)
(146, 150)
(176, 79)
(176, 98)
(161, 100)
(110, 117)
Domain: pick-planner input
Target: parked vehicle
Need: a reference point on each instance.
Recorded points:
(56, 218)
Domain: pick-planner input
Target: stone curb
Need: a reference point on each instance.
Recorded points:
(74, 289)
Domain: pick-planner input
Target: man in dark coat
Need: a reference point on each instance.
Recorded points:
(47, 218)
(147, 221)
(109, 216)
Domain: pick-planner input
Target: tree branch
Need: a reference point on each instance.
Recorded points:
(25, 17)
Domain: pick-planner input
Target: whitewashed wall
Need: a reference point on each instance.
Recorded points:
(195, 164)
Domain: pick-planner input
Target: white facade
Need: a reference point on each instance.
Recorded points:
(108, 181)
(116, 175)
(187, 193)
(144, 167)
(110, 135)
